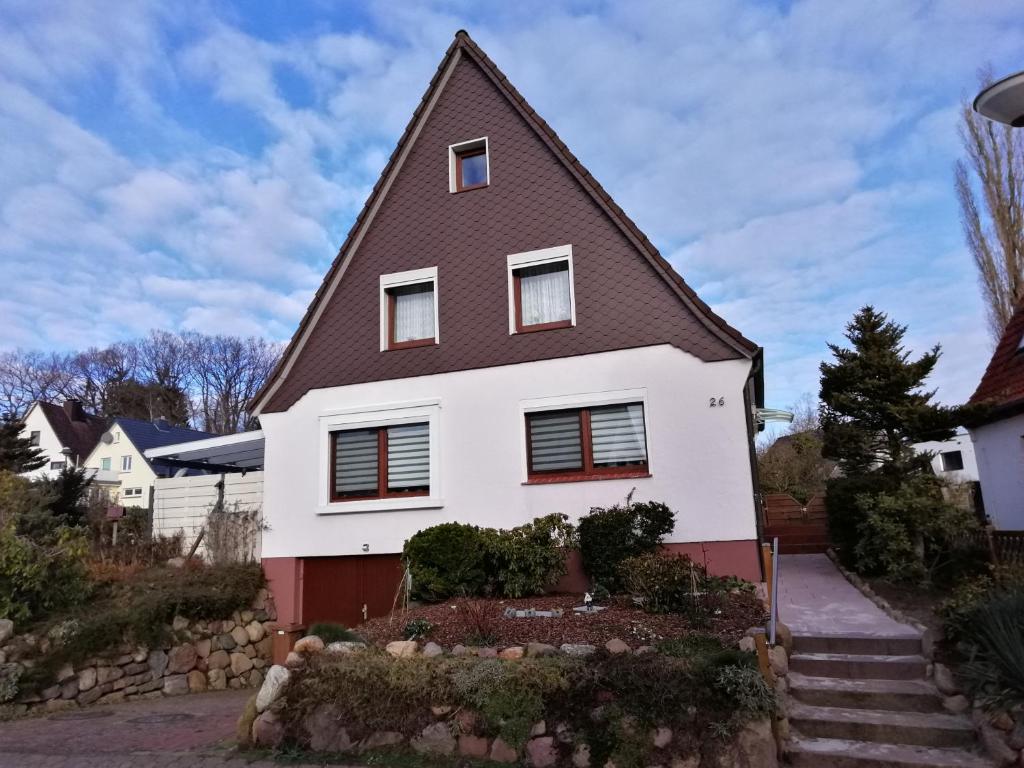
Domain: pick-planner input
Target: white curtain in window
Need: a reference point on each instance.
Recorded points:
(617, 434)
(414, 313)
(545, 294)
(409, 457)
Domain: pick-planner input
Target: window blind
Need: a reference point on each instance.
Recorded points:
(355, 462)
(617, 435)
(555, 441)
(409, 457)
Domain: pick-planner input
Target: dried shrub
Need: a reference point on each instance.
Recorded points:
(480, 617)
(671, 583)
(233, 533)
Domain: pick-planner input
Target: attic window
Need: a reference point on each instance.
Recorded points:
(408, 309)
(33, 437)
(469, 165)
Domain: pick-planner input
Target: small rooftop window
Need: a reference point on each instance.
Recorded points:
(468, 165)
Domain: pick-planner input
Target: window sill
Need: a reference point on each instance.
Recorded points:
(397, 345)
(470, 188)
(543, 327)
(381, 505)
(553, 479)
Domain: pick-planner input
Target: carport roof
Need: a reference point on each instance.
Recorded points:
(224, 453)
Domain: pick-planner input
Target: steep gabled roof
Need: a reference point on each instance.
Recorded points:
(80, 434)
(148, 434)
(461, 46)
(1002, 385)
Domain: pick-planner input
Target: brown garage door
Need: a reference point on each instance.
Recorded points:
(338, 588)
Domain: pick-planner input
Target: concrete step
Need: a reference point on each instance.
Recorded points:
(914, 728)
(859, 666)
(840, 753)
(876, 645)
(891, 695)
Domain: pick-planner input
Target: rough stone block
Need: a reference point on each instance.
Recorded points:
(240, 636)
(240, 663)
(512, 653)
(218, 660)
(175, 685)
(402, 648)
(157, 662)
(616, 646)
(541, 752)
(196, 681)
(473, 746)
(435, 739)
(503, 752)
(216, 680)
(308, 644)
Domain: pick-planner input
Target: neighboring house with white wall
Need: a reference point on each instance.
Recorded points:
(953, 459)
(496, 340)
(65, 433)
(119, 461)
(999, 434)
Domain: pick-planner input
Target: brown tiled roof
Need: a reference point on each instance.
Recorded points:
(79, 434)
(1002, 385)
(540, 195)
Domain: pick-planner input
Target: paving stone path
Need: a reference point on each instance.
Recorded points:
(815, 598)
(194, 731)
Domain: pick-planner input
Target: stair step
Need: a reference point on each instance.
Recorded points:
(892, 695)
(786, 548)
(840, 753)
(892, 645)
(859, 666)
(914, 728)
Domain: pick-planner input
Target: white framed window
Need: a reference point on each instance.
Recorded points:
(132, 492)
(380, 458)
(541, 292)
(33, 437)
(105, 464)
(409, 309)
(469, 165)
(117, 437)
(58, 465)
(587, 436)
(126, 463)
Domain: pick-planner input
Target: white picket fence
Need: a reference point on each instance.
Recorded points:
(183, 503)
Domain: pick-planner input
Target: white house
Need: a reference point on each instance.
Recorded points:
(998, 433)
(953, 459)
(119, 462)
(495, 341)
(65, 433)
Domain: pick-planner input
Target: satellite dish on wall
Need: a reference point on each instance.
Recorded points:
(106, 438)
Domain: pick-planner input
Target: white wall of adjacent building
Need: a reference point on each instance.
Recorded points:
(128, 487)
(959, 444)
(999, 448)
(698, 455)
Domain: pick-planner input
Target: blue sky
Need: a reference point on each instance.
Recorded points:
(195, 166)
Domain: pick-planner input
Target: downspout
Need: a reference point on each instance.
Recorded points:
(755, 385)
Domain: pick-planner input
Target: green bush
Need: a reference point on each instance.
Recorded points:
(447, 560)
(37, 579)
(21, 501)
(417, 629)
(456, 560)
(529, 558)
(608, 536)
(665, 583)
(995, 669)
(334, 633)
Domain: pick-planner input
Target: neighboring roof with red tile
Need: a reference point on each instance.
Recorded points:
(80, 434)
(540, 195)
(1002, 385)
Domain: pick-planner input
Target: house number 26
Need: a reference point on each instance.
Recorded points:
(716, 402)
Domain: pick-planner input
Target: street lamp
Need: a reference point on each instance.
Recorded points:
(1003, 101)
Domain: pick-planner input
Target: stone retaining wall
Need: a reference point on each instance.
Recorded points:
(205, 655)
(455, 732)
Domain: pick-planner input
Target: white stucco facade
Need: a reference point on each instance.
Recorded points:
(961, 443)
(999, 448)
(698, 454)
(128, 487)
(36, 421)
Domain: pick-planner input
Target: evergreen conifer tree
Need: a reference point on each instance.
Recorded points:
(17, 454)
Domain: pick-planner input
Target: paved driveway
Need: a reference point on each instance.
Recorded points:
(180, 732)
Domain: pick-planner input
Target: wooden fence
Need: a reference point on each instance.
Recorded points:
(1000, 547)
(800, 528)
(184, 503)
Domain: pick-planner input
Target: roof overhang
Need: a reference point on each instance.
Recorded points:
(225, 453)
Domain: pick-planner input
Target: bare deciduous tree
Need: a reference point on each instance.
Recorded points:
(990, 188)
(30, 375)
(229, 371)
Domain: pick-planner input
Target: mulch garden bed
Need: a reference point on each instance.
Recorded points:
(621, 619)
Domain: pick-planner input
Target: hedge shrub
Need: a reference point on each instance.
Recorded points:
(457, 560)
(610, 535)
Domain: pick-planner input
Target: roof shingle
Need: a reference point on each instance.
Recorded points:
(1002, 385)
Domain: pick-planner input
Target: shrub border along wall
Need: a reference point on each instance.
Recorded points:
(448, 729)
(203, 655)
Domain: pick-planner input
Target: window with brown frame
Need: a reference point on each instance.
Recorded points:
(583, 443)
(380, 462)
(411, 315)
(542, 295)
(471, 168)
